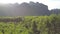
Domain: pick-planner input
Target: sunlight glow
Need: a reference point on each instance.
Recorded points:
(8, 1)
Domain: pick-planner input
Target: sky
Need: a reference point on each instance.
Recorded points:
(52, 4)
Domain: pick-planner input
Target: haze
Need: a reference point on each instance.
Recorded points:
(51, 3)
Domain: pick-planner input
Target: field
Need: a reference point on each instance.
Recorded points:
(30, 25)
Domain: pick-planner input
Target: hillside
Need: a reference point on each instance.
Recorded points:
(26, 9)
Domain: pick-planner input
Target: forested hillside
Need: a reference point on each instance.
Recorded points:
(30, 25)
(26, 9)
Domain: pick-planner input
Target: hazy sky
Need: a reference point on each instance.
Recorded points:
(51, 3)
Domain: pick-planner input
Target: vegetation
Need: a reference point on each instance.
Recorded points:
(30, 25)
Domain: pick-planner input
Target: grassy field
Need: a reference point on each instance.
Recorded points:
(30, 25)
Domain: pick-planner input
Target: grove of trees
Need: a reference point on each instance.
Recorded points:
(30, 25)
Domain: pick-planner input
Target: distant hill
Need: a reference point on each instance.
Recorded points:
(26, 9)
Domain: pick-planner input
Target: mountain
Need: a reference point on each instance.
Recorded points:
(55, 11)
(26, 9)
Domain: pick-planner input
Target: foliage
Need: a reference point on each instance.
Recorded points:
(31, 25)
